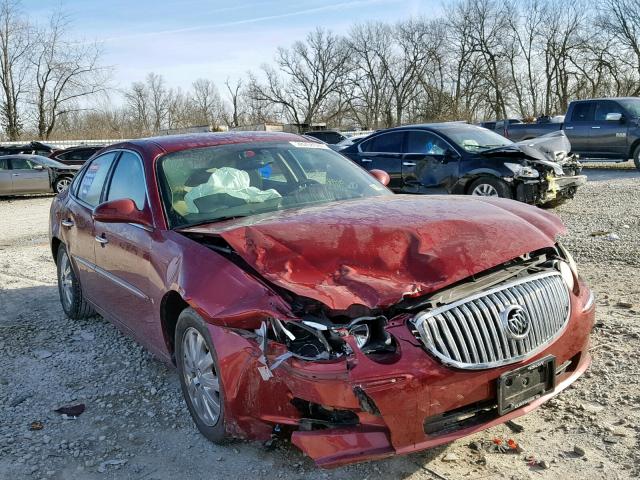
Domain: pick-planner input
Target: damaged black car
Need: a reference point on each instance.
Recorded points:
(460, 158)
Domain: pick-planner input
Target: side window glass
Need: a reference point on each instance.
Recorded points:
(128, 180)
(385, 143)
(4, 164)
(21, 164)
(603, 108)
(582, 112)
(425, 143)
(90, 188)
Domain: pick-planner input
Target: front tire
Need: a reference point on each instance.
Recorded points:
(200, 381)
(61, 184)
(71, 296)
(490, 187)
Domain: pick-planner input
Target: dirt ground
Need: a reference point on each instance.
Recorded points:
(136, 425)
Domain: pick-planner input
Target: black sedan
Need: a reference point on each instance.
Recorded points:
(466, 159)
(30, 174)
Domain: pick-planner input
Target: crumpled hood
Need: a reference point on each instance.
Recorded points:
(375, 251)
(546, 150)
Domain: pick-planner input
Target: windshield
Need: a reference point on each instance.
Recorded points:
(205, 185)
(474, 139)
(631, 105)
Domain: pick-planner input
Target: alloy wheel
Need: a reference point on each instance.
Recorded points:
(485, 190)
(66, 280)
(200, 377)
(62, 184)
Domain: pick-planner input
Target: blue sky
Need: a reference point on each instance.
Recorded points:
(189, 39)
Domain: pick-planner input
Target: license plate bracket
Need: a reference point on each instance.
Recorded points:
(523, 385)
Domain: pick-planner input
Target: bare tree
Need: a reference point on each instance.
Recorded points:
(206, 102)
(15, 47)
(309, 73)
(235, 99)
(65, 74)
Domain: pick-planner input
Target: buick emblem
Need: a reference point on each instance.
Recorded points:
(516, 322)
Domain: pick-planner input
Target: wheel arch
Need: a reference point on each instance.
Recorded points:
(633, 148)
(55, 246)
(171, 306)
(479, 173)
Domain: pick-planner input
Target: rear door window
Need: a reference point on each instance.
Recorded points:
(604, 107)
(4, 164)
(92, 183)
(583, 112)
(386, 143)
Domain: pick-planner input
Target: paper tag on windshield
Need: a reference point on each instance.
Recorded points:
(308, 145)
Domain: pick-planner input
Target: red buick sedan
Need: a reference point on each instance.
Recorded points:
(296, 294)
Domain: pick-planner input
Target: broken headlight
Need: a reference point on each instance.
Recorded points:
(522, 171)
(568, 268)
(370, 335)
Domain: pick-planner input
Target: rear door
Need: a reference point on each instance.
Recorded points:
(29, 177)
(6, 187)
(578, 128)
(609, 137)
(384, 152)
(77, 228)
(425, 163)
(123, 250)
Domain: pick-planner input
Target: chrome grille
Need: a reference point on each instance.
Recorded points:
(477, 332)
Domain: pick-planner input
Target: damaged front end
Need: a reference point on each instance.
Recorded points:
(544, 169)
(361, 383)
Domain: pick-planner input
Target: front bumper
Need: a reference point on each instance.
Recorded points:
(400, 405)
(336, 447)
(552, 188)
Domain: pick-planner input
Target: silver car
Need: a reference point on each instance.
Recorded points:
(28, 174)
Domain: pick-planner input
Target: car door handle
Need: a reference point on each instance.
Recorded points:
(595, 127)
(101, 240)
(568, 128)
(366, 160)
(408, 164)
(67, 223)
(16, 174)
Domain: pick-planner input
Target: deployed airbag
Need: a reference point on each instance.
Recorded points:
(230, 181)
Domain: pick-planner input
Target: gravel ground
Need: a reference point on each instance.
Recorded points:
(136, 426)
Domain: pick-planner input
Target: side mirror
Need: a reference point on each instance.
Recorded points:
(121, 211)
(38, 167)
(380, 175)
(613, 117)
(449, 156)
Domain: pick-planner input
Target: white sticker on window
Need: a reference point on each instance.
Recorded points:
(308, 145)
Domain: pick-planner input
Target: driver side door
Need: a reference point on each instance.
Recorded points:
(123, 251)
(29, 177)
(428, 165)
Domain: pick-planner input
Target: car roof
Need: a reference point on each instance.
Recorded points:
(442, 126)
(176, 143)
(27, 156)
(604, 98)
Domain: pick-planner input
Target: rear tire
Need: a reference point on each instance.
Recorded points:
(199, 373)
(636, 157)
(490, 187)
(71, 296)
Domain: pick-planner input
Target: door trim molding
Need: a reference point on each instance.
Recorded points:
(118, 281)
